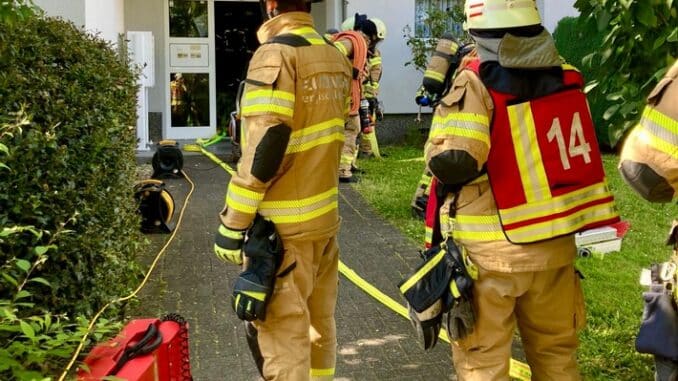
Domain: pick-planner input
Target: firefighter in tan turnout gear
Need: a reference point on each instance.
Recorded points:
(368, 138)
(514, 154)
(294, 107)
(649, 164)
(354, 44)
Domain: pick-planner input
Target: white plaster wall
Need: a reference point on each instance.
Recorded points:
(106, 18)
(399, 83)
(73, 10)
(553, 11)
(147, 15)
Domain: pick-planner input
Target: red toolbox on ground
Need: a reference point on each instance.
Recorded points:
(145, 350)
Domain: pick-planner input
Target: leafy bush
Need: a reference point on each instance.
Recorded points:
(73, 164)
(641, 41)
(575, 39)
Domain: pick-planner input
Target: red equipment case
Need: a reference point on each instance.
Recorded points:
(145, 350)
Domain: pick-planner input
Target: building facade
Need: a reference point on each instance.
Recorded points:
(200, 50)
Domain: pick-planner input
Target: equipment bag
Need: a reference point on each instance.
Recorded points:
(156, 206)
(168, 160)
(145, 350)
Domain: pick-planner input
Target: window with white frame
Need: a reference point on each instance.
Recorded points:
(421, 14)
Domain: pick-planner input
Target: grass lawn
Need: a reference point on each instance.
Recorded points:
(613, 295)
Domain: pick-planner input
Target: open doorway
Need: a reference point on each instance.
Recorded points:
(235, 40)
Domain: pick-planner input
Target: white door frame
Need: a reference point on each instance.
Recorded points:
(190, 132)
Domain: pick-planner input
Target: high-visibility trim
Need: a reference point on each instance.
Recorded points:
(569, 67)
(428, 235)
(564, 225)
(558, 204)
(375, 61)
(315, 372)
(428, 266)
(346, 159)
(479, 179)
(341, 48)
(434, 75)
(466, 125)
(660, 131)
(454, 289)
(232, 234)
(260, 296)
(318, 134)
(242, 199)
(226, 254)
(295, 211)
(269, 101)
(478, 228)
(310, 35)
(528, 156)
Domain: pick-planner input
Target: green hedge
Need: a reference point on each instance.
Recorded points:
(575, 40)
(70, 171)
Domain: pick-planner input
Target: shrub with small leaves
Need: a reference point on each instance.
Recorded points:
(72, 161)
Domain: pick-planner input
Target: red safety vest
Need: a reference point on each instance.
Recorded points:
(545, 166)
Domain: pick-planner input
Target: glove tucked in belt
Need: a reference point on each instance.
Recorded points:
(263, 251)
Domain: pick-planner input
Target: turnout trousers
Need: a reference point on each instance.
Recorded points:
(349, 151)
(549, 308)
(298, 340)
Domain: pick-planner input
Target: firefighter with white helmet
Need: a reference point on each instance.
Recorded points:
(368, 139)
(358, 35)
(514, 187)
(293, 108)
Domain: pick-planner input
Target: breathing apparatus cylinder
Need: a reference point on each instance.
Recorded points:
(167, 160)
(438, 71)
(365, 119)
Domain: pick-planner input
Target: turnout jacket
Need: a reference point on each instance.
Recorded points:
(374, 72)
(457, 152)
(649, 158)
(294, 107)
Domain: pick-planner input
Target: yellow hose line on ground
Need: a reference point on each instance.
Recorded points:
(201, 148)
(518, 370)
(136, 291)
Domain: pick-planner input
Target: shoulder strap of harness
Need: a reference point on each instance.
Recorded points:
(290, 40)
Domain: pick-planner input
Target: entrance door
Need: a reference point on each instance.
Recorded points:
(190, 86)
(235, 34)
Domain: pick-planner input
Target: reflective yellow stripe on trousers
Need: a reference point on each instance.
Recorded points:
(322, 374)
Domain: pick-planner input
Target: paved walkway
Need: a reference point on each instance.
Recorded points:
(374, 342)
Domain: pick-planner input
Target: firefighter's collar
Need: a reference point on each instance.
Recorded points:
(519, 52)
(283, 23)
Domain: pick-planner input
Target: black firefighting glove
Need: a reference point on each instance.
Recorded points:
(263, 251)
(376, 108)
(427, 324)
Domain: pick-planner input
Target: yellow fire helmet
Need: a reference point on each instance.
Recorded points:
(500, 14)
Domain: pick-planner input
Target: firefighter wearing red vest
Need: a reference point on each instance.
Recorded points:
(518, 171)
(294, 107)
(649, 164)
(354, 44)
